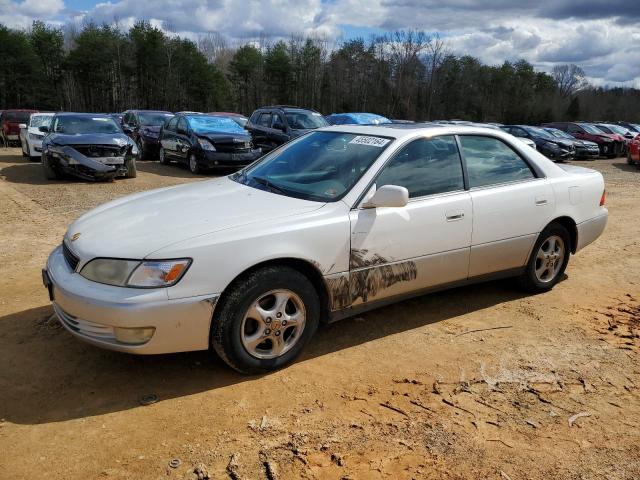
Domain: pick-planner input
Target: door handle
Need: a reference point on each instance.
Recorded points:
(454, 215)
(541, 201)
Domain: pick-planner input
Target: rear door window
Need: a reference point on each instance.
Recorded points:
(490, 161)
(264, 120)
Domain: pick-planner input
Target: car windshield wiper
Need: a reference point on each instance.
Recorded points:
(269, 185)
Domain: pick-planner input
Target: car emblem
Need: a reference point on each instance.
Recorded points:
(75, 237)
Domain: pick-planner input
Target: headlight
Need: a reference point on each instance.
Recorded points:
(160, 273)
(134, 273)
(35, 138)
(134, 149)
(553, 146)
(206, 145)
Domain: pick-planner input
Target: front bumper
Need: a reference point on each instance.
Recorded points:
(222, 159)
(91, 311)
(75, 163)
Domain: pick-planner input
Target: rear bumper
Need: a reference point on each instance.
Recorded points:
(590, 230)
(92, 311)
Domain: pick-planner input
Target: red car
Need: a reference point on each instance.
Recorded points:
(10, 121)
(633, 152)
(611, 146)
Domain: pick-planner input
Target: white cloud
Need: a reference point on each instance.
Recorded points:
(601, 40)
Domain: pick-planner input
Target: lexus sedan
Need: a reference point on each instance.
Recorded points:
(338, 221)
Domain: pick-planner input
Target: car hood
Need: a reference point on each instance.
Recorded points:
(138, 225)
(118, 139)
(225, 137)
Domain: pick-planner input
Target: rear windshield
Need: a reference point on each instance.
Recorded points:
(74, 125)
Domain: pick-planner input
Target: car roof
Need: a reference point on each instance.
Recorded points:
(150, 111)
(82, 114)
(403, 130)
(228, 114)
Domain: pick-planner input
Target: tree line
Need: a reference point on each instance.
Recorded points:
(405, 75)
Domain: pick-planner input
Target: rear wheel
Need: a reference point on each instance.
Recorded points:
(548, 261)
(194, 166)
(265, 320)
(629, 159)
(50, 173)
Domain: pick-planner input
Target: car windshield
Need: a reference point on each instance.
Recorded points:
(153, 119)
(79, 124)
(300, 120)
(369, 119)
(617, 129)
(40, 120)
(538, 132)
(557, 133)
(18, 117)
(203, 124)
(591, 128)
(319, 166)
(242, 121)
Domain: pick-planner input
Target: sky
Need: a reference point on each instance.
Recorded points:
(601, 36)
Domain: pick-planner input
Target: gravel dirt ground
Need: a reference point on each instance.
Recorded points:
(477, 382)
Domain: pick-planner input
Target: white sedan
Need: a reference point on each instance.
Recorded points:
(31, 136)
(338, 221)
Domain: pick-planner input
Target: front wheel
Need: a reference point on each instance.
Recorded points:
(162, 156)
(629, 159)
(548, 261)
(132, 169)
(194, 166)
(265, 320)
(50, 173)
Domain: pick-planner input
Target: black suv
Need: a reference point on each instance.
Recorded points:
(143, 126)
(272, 126)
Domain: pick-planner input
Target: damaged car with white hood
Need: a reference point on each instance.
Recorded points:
(88, 146)
(336, 222)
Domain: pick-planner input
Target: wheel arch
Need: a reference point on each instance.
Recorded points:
(305, 267)
(568, 223)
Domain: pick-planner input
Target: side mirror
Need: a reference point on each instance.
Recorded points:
(44, 129)
(22, 125)
(388, 196)
(181, 131)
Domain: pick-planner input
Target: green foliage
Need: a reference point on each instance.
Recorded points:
(401, 75)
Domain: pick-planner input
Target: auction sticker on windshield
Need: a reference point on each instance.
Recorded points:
(371, 141)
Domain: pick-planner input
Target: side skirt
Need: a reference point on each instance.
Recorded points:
(365, 307)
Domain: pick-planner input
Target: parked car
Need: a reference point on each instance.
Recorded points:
(609, 147)
(616, 130)
(552, 147)
(633, 127)
(31, 136)
(236, 117)
(585, 150)
(633, 152)
(334, 223)
(356, 119)
(89, 146)
(270, 127)
(143, 126)
(10, 121)
(205, 141)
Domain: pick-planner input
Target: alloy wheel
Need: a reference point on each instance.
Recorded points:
(273, 324)
(549, 259)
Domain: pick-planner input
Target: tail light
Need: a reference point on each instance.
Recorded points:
(603, 198)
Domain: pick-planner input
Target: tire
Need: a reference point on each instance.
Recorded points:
(235, 332)
(629, 159)
(536, 278)
(161, 156)
(50, 173)
(141, 151)
(132, 170)
(194, 166)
